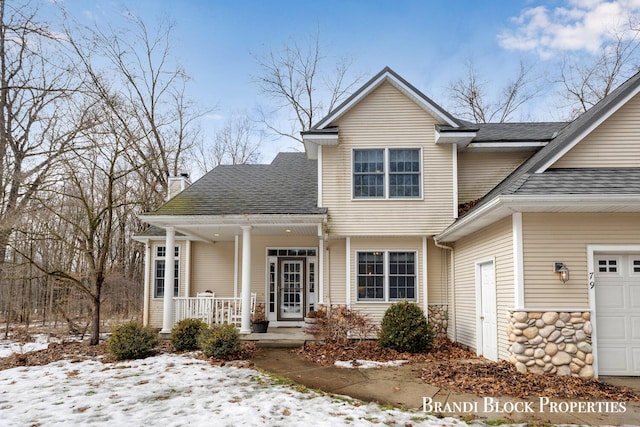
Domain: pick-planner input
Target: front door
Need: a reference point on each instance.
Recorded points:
(291, 288)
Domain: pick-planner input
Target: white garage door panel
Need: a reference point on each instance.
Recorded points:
(634, 291)
(613, 298)
(635, 328)
(617, 294)
(613, 361)
(611, 328)
(635, 356)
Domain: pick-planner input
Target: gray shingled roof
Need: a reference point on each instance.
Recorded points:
(535, 131)
(584, 121)
(578, 181)
(286, 186)
(565, 136)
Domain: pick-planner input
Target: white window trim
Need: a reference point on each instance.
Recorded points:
(386, 174)
(155, 277)
(385, 265)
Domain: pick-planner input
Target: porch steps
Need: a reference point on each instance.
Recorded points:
(279, 338)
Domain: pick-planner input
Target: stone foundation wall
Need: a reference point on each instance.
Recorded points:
(551, 342)
(438, 317)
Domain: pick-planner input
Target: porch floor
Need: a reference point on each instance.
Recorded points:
(279, 337)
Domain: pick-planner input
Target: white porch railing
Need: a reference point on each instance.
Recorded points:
(211, 310)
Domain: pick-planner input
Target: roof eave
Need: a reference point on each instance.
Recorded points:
(461, 138)
(248, 219)
(505, 205)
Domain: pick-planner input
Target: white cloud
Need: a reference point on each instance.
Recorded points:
(579, 25)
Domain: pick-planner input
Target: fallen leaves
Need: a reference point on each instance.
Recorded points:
(502, 379)
(452, 367)
(76, 351)
(326, 354)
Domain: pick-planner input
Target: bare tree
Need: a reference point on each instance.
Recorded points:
(85, 202)
(238, 142)
(36, 88)
(471, 102)
(150, 103)
(586, 81)
(298, 82)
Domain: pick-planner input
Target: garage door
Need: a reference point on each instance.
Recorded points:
(618, 314)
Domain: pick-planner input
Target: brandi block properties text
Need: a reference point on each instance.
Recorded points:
(542, 405)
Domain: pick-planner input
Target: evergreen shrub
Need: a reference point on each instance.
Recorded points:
(405, 328)
(219, 341)
(185, 334)
(132, 341)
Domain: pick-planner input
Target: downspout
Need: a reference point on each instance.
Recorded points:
(453, 284)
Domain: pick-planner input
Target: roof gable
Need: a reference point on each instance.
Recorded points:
(388, 75)
(582, 126)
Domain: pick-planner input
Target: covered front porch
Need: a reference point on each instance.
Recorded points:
(253, 266)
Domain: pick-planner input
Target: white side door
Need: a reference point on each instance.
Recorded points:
(487, 328)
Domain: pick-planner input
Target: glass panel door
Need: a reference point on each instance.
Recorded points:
(292, 278)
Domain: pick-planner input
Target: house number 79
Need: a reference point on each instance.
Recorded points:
(592, 283)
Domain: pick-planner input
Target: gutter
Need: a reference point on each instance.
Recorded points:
(453, 284)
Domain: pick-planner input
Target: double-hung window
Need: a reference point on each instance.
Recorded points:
(386, 276)
(386, 173)
(160, 268)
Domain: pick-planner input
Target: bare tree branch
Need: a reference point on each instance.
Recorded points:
(296, 79)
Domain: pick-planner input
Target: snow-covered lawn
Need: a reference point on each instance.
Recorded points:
(174, 390)
(7, 347)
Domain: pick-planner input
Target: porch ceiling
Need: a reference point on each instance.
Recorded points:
(224, 228)
(217, 233)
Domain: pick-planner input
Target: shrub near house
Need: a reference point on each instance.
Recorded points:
(405, 328)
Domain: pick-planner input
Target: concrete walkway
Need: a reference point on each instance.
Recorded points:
(401, 387)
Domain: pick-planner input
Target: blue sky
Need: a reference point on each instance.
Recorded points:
(427, 42)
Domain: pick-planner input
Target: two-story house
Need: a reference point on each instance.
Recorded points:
(520, 240)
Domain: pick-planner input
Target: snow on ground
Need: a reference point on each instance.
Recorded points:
(367, 364)
(8, 347)
(174, 390)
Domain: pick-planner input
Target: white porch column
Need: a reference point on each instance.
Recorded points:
(147, 283)
(167, 311)
(245, 325)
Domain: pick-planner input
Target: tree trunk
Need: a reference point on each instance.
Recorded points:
(95, 315)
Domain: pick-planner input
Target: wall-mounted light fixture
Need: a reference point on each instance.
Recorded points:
(562, 270)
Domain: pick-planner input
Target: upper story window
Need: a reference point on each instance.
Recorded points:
(386, 173)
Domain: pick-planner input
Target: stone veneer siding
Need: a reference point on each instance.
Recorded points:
(439, 319)
(554, 342)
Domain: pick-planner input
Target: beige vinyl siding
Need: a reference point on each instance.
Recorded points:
(387, 119)
(438, 272)
(156, 304)
(375, 310)
(478, 173)
(548, 238)
(494, 241)
(212, 268)
(335, 272)
(613, 144)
